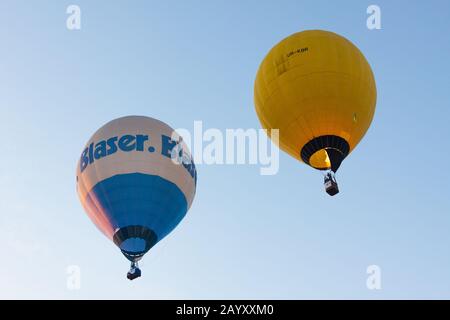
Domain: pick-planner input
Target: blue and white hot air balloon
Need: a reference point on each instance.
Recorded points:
(136, 180)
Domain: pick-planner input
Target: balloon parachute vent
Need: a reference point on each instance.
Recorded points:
(331, 186)
(134, 272)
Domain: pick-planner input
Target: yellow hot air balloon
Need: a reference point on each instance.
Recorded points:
(318, 89)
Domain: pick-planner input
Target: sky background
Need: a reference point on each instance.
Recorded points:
(246, 235)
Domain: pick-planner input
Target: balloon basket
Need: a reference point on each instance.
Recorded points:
(134, 272)
(331, 186)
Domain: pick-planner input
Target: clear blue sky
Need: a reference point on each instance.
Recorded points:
(246, 235)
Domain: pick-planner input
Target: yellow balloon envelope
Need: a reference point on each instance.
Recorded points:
(317, 88)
